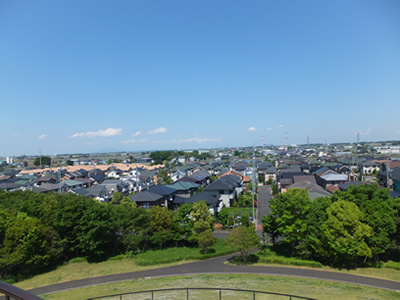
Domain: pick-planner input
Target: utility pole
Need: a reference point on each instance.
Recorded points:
(387, 175)
(40, 157)
(59, 178)
(253, 188)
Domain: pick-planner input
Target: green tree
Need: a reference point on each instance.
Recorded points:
(30, 246)
(380, 212)
(244, 219)
(289, 212)
(117, 198)
(45, 160)
(316, 217)
(69, 162)
(344, 235)
(243, 239)
(275, 190)
(223, 216)
(161, 225)
(126, 201)
(183, 222)
(205, 239)
(202, 219)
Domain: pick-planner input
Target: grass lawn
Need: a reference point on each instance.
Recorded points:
(239, 210)
(145, 261)
(269, 257)
(319, 289)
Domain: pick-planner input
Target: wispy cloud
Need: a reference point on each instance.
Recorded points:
(252, 129)
(100, 132)
(158, 130)
(196, 140)
(366, 132)
(134, 141)
(269, 129)
(280, 126)
(43, 137)
(398, 131)
(137, 133)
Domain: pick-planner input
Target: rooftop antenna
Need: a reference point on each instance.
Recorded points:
(358, 137)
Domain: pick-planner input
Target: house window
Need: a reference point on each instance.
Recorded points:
(146, 205)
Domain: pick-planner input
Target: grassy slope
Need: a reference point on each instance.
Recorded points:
(147, 260)
(318, 289)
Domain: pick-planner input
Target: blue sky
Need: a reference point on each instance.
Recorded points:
(88, 76)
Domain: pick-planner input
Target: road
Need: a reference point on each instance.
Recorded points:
(217, 266)
(264, 195)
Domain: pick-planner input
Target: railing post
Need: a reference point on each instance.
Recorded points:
(220, 294)
(152, 295)
(254, 295)
(120, 297)
(187, 294)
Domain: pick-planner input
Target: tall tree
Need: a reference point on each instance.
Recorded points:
(344, 235)
(44, 160)
(202, 218)
(161, 225)
(289, 215)
(243, 239)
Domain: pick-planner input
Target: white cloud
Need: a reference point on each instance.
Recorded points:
(42, 137)
(269, 129)
(197, 140)
(137, 133)
(280, 126)
(100, 132)
(133, 141)
(366, 132)
(398, 131)
(252, 129)
(158, 130)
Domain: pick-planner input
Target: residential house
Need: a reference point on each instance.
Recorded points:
(178, 175)
(332, 178)
(344, 186)
(214, 204)
(395, 172)
(369, 167)
(147, 199)
(184, 189)
(165, 191)
(225, 189)
(114, 174)
(313, 189)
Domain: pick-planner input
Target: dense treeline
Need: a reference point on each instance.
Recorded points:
(160, 157)
(360, 226)
(44, 230)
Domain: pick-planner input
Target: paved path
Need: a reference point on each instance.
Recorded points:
(217, 265)
(264, 194)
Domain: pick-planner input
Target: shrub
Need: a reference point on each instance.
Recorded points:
(78, 260)
(393, 265)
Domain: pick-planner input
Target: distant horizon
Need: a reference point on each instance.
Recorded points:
(198, 149)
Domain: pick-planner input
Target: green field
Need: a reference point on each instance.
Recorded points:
(318, 289)
(78, 269)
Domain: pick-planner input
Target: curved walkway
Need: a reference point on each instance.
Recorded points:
(216, 265)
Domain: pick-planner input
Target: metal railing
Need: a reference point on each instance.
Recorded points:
(227, 293)
(13, 292)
